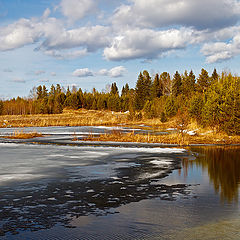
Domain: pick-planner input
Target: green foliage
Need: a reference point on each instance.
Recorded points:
(114, 89)
(212, 101)
(188, 83)
(195, 107)
(170, 107)
(203, 81)
(157, 87)
(176, 84)
(143, 90)
(149, 110)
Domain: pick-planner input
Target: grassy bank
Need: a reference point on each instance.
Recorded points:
(174, 138)
(84, 117)
(80, 117)
(23, 135)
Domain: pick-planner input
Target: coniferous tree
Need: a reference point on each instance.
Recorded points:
(165, 79)
(203, 81)
(157, 87)
(39, 92)
(44, 91)
(176, 84)
(188, 83)
(143, 90)
(114, 89)
(215, 76)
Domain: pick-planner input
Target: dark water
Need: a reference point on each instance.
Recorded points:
(80, 192)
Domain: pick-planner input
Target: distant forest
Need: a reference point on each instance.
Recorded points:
(212, 100)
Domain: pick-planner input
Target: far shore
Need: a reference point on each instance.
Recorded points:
(192, 135)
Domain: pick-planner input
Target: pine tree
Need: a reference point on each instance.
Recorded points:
(114, 89)
(143, 90)
(203, 81)
(188, 83)
(215, 76)
(39, 92)
(157, 87)
(176, 84)
(165, 79)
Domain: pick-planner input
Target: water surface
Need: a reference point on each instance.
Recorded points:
(50, 191)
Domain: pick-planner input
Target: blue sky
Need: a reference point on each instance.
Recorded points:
(92, 43)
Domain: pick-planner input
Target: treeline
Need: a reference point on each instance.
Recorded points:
(212, 100)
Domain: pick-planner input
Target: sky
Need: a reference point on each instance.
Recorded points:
(93, 43)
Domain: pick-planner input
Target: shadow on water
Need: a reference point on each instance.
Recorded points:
(35, 206)
(223, 166)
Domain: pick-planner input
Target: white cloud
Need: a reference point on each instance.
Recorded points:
(46, 13)
(18, 34)
(61, 54)
(83, 72)
(54, 37)
(134, 32)
(221, 51)
(113, 72)
(76, 9)
(92, 38)
(117, 71)
(161, 13)
(103, 72)
(53, 74)
(147, 43)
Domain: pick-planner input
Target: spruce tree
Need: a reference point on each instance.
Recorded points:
(143, 90)
(203, 81)
(157, 87)
(176, 84)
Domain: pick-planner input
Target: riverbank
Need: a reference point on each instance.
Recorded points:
(172, 138)
(153, 128)
(79, 117)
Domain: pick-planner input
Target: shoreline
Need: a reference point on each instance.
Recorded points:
(70, 142)
(192, 135)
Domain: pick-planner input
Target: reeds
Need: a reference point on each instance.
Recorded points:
(23, 135)
(174, 138)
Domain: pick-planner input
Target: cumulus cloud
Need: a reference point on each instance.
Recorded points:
(202, 14)
(92, 38)
(53, 37)
(76, 9)
(147, 43)
(138, 30)
(113, 72)
(220, 51)
(82, 72)
(18, 34)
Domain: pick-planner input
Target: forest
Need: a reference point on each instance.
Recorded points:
(212, 100)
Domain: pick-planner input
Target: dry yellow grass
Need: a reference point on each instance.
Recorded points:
(23, 135)
(174, 138)
(84, 117)
(80, 117)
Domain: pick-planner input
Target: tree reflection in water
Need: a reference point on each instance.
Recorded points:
(223, 166)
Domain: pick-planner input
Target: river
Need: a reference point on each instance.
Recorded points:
(51, 188)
